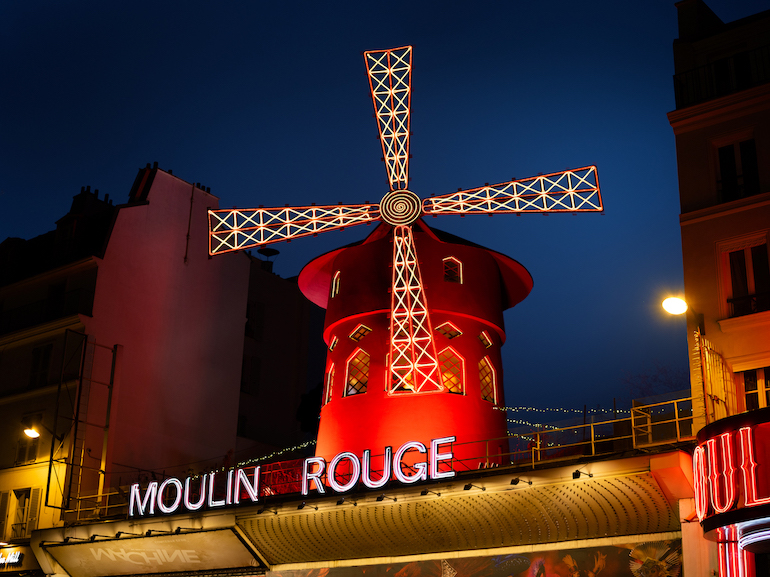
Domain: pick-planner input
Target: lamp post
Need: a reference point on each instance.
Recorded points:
(677, 306)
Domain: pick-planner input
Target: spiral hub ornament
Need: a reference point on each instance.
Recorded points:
(400, 207)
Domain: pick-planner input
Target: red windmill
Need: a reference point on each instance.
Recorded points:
(414, 347)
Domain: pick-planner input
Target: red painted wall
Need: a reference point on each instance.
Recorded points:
(375, 419)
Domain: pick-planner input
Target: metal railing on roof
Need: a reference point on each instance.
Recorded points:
(649, 427)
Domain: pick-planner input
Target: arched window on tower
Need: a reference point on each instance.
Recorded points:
(335, 288)
(358, 373)
(329, 384)
(487, 380)
(453, 270)
(451, 365)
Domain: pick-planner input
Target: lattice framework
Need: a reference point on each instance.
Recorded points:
(413, 352)
(390, 79)
(237, 229)
(567, 191)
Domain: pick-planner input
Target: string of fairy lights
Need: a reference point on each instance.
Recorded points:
(514, 421)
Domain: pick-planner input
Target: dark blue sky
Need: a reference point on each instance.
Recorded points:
(267, 103)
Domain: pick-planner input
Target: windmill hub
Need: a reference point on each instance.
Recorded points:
(400, 207)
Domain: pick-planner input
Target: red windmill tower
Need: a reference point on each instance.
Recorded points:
(414, 316)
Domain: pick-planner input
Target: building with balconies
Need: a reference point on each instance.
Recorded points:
(722, 129)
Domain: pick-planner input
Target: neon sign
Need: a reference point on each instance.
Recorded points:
(171, 495)
(11, 557)
(314, 467)
(230, 488)
(725, 475)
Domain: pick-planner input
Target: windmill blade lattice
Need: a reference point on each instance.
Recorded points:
(567, 191)
(390, 77)
(239, 229)
(413, 359)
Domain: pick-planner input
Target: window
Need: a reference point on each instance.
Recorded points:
(749, 280)
(485, 340)
(453, 270)
(26, 448)
(333, 343)
(41, 362)
(25, 512)
(360, 332)
(329, 384)
(738, 170)
(756, 388)
(335, 288)
(451, 366)
(358, 373)
(449, 330)
(487, 380)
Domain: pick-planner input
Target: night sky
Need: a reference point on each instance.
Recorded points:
(267, 103)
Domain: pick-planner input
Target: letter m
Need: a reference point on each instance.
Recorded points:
(143, 506)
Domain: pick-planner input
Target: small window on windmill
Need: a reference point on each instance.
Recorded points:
(333, 343)
(335, 288)
(485, 340)
(358, 373)
(329, 384)
(487, 380)
(452, 373)
(453, 270)
(360, 332)
(449, 330)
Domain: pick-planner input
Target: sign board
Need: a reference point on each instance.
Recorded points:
(731, 471)
(16, 559)
(197, 551)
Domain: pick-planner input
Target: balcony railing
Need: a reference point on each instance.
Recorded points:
(749, 304)
(649, 426)
(722, 77)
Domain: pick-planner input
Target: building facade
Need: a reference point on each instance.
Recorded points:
(121, 343)
(722, 129)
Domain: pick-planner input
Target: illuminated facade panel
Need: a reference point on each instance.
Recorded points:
(487, 380)
(358, 373)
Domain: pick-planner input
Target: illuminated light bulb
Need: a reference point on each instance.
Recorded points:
(674, 306)
(31, 433)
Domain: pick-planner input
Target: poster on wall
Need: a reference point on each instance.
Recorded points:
(653, 559)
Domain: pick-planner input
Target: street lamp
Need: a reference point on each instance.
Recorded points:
(677, 306)
(32, 426)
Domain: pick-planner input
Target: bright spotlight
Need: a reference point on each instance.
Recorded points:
(674, 306)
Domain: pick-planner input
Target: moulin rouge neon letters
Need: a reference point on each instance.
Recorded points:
(719, 473)
(226, 488)
(314, 467)
(171, 494)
